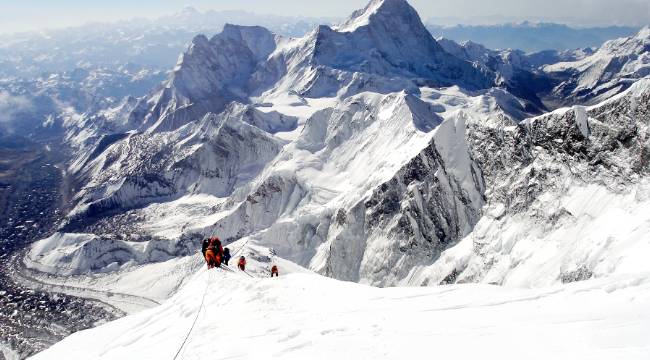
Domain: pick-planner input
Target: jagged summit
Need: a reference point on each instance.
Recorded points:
(384, 47)
(259, 40)
(207, 76)
(198, 40)
(644, 33)
(381, 11)
(387, 38)
(391, 19)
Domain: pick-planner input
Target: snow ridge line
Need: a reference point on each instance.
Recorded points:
(205, 291)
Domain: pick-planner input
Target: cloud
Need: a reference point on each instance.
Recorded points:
(12, 105)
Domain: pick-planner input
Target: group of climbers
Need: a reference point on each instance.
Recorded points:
(215, 254)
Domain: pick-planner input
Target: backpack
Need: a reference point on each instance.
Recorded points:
(215, 244)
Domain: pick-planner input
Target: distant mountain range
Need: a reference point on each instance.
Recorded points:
(156, 43)
(528, 36)
(147, 43)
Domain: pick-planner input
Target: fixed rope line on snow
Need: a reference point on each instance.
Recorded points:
(207, 284)
(241, 248)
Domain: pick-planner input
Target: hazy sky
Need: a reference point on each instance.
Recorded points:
(19, 15)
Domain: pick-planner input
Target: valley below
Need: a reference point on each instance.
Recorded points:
(31, 201)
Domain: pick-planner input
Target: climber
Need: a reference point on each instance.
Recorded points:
(274, 271)
(226, 256)
(214, 253)
(242, 263)
(204, 246)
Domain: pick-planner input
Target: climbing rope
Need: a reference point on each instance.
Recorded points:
(241, 247)
(205, 291)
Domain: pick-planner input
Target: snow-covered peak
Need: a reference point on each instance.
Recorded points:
(633, 45)
(380, 11)
(188, 9)
(644, 33)
(387, 39)
(198, 40)
(393, 19)
(260, 41)
(208, 75)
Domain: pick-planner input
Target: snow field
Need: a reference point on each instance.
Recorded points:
(307, 316)
(606, 233)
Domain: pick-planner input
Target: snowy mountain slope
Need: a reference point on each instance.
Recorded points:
(296, 316)
(383, 48)
(201, 157)
(299, 203)
(567, 197)
(512, 69)
(611, 69)
(332, 164)
(523, 173)
(205, 80)
(547, 57)
(370, 185)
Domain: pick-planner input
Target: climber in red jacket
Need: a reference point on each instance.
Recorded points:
(214, 253)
